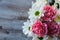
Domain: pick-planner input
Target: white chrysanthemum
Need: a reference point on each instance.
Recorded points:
(35, 38)
(57, 1)
(37, 10)
(27, 28)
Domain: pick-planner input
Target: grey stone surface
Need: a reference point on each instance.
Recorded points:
(12, 15)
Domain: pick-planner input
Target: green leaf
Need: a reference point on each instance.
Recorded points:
(46, 0)
(57, 19)
(37, 13)
(40, 38)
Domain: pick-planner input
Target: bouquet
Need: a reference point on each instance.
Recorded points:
(44, 18)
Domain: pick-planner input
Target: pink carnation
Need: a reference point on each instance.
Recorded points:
(46, 19)
(39, 28)
(53, 28)
(50, 12)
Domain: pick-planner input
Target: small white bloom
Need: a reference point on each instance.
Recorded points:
(27, 28)
(37, 10)
(45, 37)
(57, 1)
(35, 38)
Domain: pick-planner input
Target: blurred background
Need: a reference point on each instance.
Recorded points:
(12, 15)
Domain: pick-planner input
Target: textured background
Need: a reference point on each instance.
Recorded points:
(12, 15)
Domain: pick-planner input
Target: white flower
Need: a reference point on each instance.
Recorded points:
(27, 28)
(45, 37)
(57, 1)
(35, 38)
(37, 10)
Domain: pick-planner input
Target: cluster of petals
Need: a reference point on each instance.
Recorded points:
(47, 25)
(50, 12)
(39, 28)
(53, 28)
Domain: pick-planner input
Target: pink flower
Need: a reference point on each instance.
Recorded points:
(39, 28)
(46, 19)
(53, 28)
(50, 12)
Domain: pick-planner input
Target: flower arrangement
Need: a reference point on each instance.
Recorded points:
(43, 20)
